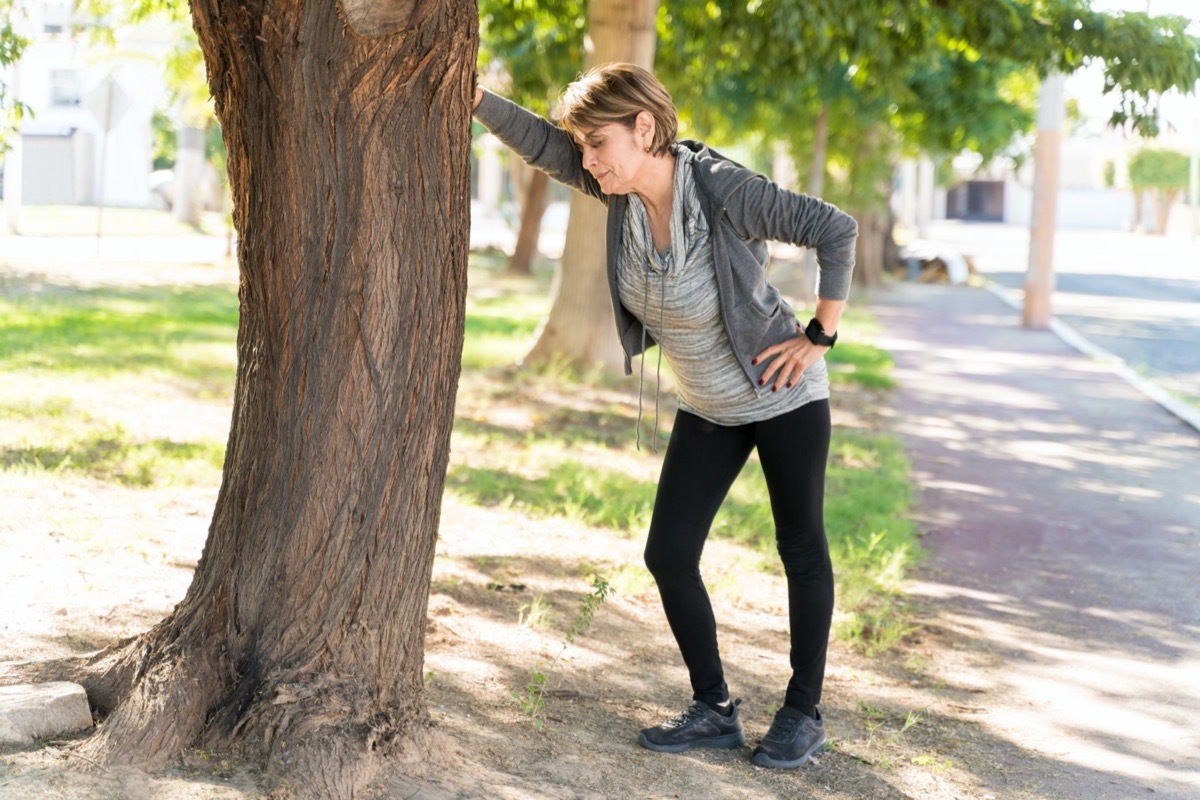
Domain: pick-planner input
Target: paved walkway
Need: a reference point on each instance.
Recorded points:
(1062, 511)
(1136, 296)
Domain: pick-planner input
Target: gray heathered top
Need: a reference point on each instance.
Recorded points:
(675, 296)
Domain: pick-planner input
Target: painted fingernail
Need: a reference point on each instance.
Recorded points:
(761, 382)
(774, 388)
(789, 386)
(754, 363)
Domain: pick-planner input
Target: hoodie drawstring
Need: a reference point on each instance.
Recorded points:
(662, 317)
(642, 371)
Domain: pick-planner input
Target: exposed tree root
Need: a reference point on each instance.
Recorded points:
(107, 675)
(163, 713)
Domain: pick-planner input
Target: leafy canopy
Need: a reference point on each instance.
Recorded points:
(1157, 168)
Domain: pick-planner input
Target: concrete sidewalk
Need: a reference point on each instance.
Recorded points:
(1062, 513)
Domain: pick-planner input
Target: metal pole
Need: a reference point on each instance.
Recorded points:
(1194, 171)
(13, 163)
(108, 109)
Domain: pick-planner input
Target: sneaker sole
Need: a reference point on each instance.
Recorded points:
(726, 742)
(763, 760)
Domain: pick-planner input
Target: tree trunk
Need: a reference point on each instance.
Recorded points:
(533, 206)
(299, 644)
(1164, 200)
(816, 168)
(815, 188)
(874, 232)
(868, 204)
(579, 329)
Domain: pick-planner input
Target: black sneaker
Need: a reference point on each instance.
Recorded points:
(700, 726)
(792, 740)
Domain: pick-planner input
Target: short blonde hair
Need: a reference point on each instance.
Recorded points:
(618, 93)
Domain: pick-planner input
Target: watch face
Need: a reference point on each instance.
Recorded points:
(816, 334)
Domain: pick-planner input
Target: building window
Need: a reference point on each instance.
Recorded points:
(56, 17)
(65, 91)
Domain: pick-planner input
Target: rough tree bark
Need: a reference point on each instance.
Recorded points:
(300, 641)
(579, 329)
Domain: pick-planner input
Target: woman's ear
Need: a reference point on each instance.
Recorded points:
(644, 125)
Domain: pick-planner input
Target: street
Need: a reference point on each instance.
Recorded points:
(1136, 296)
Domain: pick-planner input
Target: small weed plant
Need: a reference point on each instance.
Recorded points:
(533, 697)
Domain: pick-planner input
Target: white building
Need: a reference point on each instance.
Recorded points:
(88, 139)
(1088, 196)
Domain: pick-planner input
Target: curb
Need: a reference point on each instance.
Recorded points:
(1187, 413)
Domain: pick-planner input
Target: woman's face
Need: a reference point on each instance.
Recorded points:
(614, 154)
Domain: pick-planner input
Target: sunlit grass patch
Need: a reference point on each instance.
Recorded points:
(183, 333)
(859, 364)
(605, 499)
(503, 313)
(500, 328)
(79, 361)
(555, 444)
(854, 361)
(111, 455)
(631, 580)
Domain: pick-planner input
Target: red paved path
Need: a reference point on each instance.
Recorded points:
(1062, 511)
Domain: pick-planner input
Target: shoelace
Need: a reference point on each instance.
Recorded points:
(693, 711)
(783, 729)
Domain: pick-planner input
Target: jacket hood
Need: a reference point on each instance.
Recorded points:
(718, 174)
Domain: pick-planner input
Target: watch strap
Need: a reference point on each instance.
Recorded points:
(817, 335)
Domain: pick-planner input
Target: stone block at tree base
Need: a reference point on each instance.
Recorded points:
(30, 711)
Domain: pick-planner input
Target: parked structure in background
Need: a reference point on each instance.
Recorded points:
(88, 140)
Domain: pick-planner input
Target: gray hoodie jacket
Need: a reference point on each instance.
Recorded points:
(744, 211)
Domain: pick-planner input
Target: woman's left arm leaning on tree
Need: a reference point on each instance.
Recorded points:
(541, 144)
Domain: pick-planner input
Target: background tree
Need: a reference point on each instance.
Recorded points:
(538, 48)
(299, 643)
(1164, 174)
(579, 329)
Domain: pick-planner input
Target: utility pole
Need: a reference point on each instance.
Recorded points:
(13, 161)
(1039, 278)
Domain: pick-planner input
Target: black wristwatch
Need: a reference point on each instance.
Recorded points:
(817, 335)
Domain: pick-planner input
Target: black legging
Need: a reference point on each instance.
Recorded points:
(701, 464)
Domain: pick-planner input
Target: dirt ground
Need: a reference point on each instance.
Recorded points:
(87, 562)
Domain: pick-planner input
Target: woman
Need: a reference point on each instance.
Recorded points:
(687, 258)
